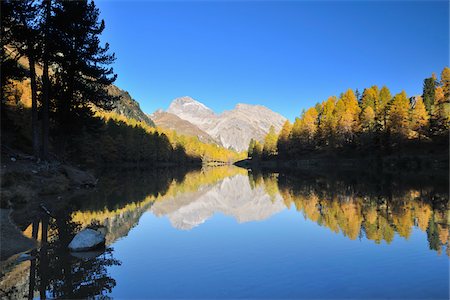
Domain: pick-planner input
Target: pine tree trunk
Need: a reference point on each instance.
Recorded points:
(32, 277)
(46, 88)
(34, 111)
(43, 258)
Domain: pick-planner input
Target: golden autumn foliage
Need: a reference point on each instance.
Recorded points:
(355, 216)
(190, 144)
(270, 143)
(347, 115)
(370, 98)
(368, 119)
(441, 107)
(419, 115)
(377, 121)
(285, 131)
(399, 114)
(376, 217)
(305, 127)
(283, 145)
(327, 123)
(439, 96)
(384, 98)
(445, 82)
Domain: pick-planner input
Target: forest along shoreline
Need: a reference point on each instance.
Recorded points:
(401, 164)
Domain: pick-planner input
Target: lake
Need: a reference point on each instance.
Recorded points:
(227, 232)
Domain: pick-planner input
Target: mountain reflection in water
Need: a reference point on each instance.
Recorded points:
(371, 207)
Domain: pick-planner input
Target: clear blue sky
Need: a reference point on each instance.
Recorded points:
(285, 55)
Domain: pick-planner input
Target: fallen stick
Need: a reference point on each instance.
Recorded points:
(46, 210)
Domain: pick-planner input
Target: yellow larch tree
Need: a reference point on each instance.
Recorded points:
(370, 97)
(347, 114)
(441, 107)
(305, 127)
(368, 119)
(399, 114)
(270, 143)
(445, 82)
(327, 123)
(419, 115)
(382, 109)
(283, 139)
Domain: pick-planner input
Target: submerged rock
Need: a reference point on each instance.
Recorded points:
(87, 239)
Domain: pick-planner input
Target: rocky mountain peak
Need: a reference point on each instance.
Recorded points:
(233, 128)
(246, 106)
(188, 104)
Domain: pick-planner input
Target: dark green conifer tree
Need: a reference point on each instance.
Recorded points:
(429, 86)
(83, 72)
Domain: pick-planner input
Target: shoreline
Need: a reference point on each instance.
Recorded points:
(10, 232)
(30, 187)
(391, 164)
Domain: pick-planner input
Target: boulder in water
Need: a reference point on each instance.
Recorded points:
(87, 239)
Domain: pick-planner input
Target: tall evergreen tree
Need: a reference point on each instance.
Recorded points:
(283, 140)
(251, 147)
(11, 69)
(382, 109)
(20, 29)
(257, 151)
(429, 85)
(47, 7)
(83, 73)
(419, 116)
(304, 130)
(347, 114)
(370, 97)
(399, 114)
(327, 125)
(445, 83)
(368, 119)
(270, 144)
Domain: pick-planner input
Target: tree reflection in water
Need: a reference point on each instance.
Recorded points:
(57, 273)
(121, 198)
(374, 206)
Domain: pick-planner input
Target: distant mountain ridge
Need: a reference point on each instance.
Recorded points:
(232, 128)
(127, 106)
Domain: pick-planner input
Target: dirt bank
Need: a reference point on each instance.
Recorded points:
(12, 239)
(26, 185)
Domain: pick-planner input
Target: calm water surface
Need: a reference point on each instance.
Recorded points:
(229, 233)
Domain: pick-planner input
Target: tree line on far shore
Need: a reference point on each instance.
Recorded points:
(374, 120)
